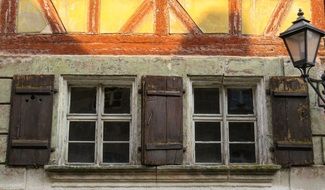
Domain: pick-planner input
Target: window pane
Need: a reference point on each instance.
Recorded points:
(82, 131)
(83, 100)
(206, 100)
(116, 152)
(208, 153)
(240, 101)
(241, 131)
(117, 100)
(81, 152)
(242, 153)
(207, 131)
(116, 131)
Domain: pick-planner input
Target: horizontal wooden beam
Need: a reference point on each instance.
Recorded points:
(143, 44)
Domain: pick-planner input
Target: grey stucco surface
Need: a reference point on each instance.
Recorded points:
(22, 178)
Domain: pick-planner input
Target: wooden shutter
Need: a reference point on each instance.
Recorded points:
(162, 120)
(291, 121)
(30, 120)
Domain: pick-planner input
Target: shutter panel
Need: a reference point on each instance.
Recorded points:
(30, 120)
(162, 120)
(291, 121)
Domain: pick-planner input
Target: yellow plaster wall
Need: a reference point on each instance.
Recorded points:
(73, 13)
(291, 15)
(256, 14)
(30, 18)
(176, 25)
(115, 13)
(146, 25)
(210, 15)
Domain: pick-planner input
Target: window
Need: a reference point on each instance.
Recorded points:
(99, 122)
(226, 122)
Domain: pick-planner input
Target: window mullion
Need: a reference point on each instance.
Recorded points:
(225, 129)
(99, 131)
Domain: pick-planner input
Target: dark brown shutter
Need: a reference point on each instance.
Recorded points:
(291, 121)
(162, 120)
(30, 120)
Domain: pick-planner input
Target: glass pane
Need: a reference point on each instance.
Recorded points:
(240, 101)
(241, 131)
(117, 100)
(313, 41)
(296, 46)
(242, 153)
(116, 152)
(81, 152)
(116, 131)
(82, 131)
(206, 100)
(208, 153)
(207, 131)
(83, 100)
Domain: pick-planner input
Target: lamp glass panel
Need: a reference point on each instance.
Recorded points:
(296, 46)
(313, 39)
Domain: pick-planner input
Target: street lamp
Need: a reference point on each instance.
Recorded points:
(302, 42)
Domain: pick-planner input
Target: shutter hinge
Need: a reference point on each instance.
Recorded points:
(54, 91)
(268, 92)
(140, 91)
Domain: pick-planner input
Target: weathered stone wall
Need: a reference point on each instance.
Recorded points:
(29, 178)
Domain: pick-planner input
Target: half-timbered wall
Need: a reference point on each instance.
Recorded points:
(217, 44)
(151, 26)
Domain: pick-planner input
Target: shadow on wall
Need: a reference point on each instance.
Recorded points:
(217, 43)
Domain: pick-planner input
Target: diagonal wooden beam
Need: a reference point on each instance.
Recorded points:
(181, 13)
(93, 19)
(52, 16)
(277, 17)
(137, 16)
(235, 16)
(8, 16)
(162, 21)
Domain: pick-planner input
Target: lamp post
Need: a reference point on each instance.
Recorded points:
(302, 42)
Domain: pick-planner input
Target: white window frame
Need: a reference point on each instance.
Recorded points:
(259, 116)
(100, 82)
